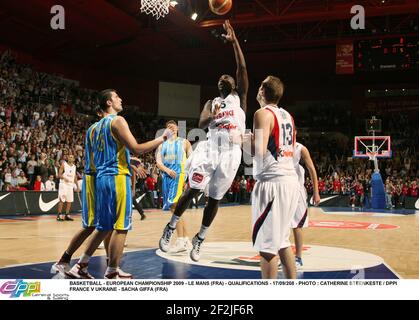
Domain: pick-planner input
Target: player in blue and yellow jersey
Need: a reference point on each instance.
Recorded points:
(171, 159)
(88, 204)
(112, 141)
(88, 186)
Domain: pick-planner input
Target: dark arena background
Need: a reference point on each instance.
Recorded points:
(351, 84)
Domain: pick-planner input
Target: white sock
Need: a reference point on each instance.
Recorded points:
(110, 270)
(173, 221)
(203, 232)
(84, 258)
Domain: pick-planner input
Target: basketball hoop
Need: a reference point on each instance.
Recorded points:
(158, 8)
(373, 148)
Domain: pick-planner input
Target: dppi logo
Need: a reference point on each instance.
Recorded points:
(20, 287)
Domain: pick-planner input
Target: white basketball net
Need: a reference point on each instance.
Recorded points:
(158, 8)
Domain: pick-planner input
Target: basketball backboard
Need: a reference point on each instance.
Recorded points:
(372, 146)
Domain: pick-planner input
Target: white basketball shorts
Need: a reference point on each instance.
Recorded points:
(273, 206)
(300, 219)
(214, 168)
(65, 193)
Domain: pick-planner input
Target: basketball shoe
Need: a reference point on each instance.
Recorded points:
(181, 245)
(118, 274)
(60, 267)
(298, 263)
(164, 243)
(195, 253)
(79, 271)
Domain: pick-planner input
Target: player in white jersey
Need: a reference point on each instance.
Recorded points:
(301, 154)
(68, 178)
(214, 162)
(275, 195)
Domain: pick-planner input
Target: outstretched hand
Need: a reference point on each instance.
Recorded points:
(230, 35)
(170, 130)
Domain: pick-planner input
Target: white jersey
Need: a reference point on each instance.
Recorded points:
(50, 185)
(278, 159)
(69, 174)
(230, 120)
(296, 159)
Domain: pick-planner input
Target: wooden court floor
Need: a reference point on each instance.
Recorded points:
(44, 239)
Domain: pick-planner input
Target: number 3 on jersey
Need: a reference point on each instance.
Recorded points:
(287, 136)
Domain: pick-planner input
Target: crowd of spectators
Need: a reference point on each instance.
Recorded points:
(35, 136)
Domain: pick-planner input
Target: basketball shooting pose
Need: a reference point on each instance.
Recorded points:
(214, 162)
(300, 220)
(275, 195)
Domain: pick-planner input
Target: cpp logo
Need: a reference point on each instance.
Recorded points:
(20, 287)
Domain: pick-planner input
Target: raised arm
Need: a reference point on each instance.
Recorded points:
(241, 73)
(121, 130)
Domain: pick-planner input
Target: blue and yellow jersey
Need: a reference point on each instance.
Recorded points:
(89, 165)
(173, 155)
(110, 156)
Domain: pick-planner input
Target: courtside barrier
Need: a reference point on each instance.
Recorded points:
(33, 202)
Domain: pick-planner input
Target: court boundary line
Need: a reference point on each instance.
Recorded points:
(192, 263)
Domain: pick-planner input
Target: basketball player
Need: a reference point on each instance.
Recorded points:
(89, 215)
(111, 142)
(300, 220)
(68, 178)
(275, 195)
(171, 158)
(214, 162)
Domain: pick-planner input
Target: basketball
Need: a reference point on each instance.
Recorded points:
(220, 7)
